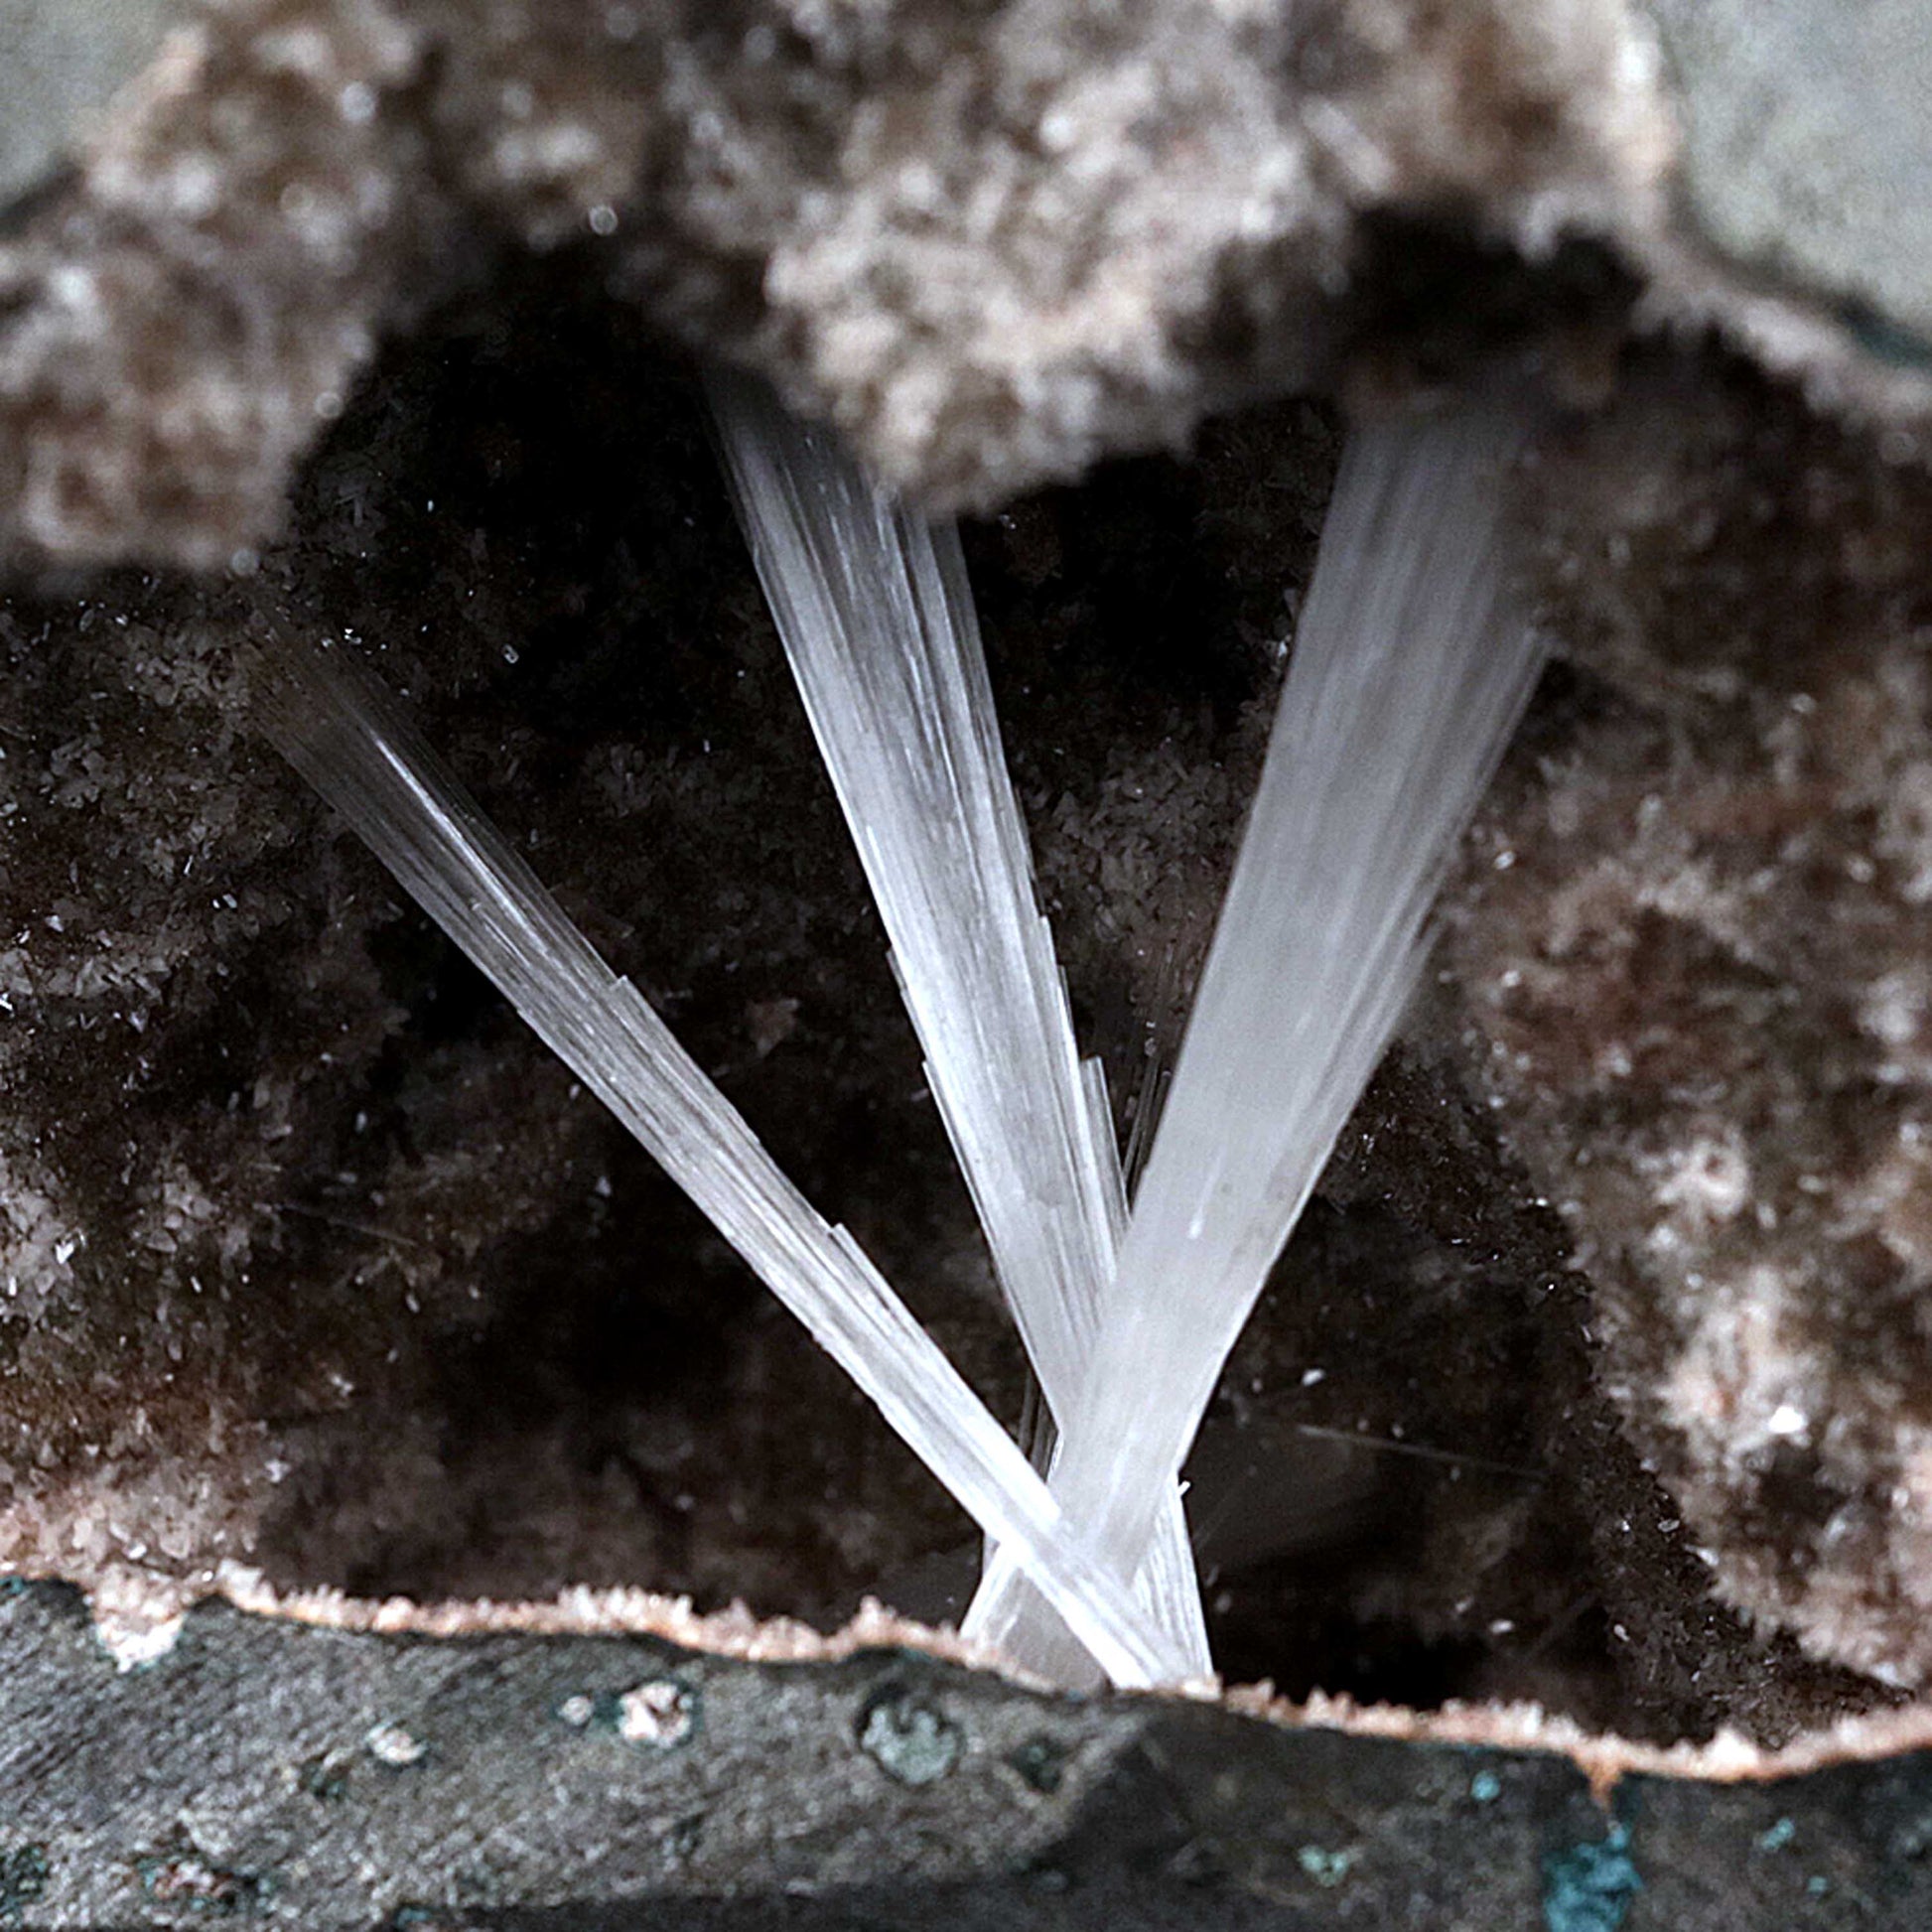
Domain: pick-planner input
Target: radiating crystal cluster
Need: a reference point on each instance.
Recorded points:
(1411, 663)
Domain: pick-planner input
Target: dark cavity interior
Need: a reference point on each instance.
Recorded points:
(1408, 1488)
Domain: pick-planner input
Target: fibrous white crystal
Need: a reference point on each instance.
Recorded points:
(875, 613)
(338, 728)
(1409, 667)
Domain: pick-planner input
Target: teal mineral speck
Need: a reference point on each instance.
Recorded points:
(909, 1739)
(1486, 1787)
(1327, 1868)
(1777, 1836)
(1042, 1762)
(23, 1872)
(1588, 1889)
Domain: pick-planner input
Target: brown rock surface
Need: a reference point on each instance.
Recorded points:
(993, 244)
(1695, 942)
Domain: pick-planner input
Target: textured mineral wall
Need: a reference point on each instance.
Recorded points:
(1696, 943)
(993, 243)
(317, 1262)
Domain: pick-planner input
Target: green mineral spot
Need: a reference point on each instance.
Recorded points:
(1041, 1761)
(1327, 1868)
(1913, 1839)
(1818, 1884)
(1883, 338)
(1486, 1787)
(1588, 1889)
(324, 1777)
(908, 1738)
(23, 1878)
(1776, 1836)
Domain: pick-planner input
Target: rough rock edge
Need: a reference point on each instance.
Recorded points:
(1693, 290)
(137, 1631)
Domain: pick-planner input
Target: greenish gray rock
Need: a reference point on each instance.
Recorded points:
(269, 1772)
(60, 61)
(1807, 152)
